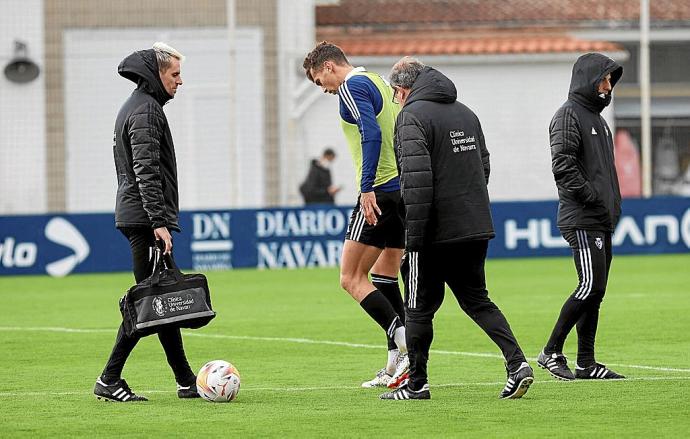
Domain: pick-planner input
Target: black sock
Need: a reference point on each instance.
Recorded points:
(389, 288)
(381, 310)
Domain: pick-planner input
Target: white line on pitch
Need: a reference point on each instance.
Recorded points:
(330, 388)
(499, 384)
(368, 346)
(311, 341)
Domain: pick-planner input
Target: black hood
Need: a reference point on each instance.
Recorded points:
(141, 67)
(588, 71)
(432, 85)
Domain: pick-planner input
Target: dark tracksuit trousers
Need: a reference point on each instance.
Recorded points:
(142, 242)
(592, 254)
(461, 266)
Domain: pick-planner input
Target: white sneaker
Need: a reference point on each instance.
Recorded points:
(402, 372)
(380, 380)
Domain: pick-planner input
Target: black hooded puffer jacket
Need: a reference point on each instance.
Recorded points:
(144, 153)
(314, 189)
(582, 158)
(443, 164)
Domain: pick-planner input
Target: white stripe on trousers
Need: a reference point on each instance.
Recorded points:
(580, 252)
(412, 280)
(585, 265)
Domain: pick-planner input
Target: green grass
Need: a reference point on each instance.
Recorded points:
(312, 390)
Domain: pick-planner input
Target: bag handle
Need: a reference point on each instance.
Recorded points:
(172, 266)
(164, 262)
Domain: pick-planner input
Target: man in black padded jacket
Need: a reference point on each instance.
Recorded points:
(318, 187)
(588, 210)
(147, 206)
(444, 171)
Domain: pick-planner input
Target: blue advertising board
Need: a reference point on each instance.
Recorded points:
(655, 225)
(304, 237)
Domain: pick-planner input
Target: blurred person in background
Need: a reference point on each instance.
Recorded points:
(318, 187)
(374, 239)
(683, 186)
(666, 162)
(147, 205)
(589, 207)
(444, 172)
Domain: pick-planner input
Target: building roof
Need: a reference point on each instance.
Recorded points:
(486, 45)
(510, 13)
(488, 27)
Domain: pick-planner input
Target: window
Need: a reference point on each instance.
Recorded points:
(670, 153)
(669, 62)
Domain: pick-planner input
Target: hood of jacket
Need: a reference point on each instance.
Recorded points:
(141, 67)
(588, 72)
(432, 85)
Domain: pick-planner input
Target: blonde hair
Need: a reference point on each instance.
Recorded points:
(164, 55)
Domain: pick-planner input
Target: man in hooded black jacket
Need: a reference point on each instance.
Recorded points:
(146, 208)
(318, 187)
(588, 210)
(444, 172)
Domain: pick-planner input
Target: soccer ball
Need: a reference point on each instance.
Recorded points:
(218, 381)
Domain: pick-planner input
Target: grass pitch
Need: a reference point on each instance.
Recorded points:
(303, 347)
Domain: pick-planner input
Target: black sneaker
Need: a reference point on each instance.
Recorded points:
(119, 392)
(404, 392)
(596, 372)
(556, 365)
(190, 391)
(518, 382)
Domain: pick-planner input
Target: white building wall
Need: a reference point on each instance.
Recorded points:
(248, 87)
(296, 30)
(22, 113)
(514, 98)
(218, 166)
(515, 103)
(320, 128)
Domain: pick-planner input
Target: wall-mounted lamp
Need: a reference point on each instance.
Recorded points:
(21, 69)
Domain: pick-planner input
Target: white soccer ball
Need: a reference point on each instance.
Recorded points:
(218, 381)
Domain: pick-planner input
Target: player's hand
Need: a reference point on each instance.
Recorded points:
(371, 210)
(163, 234)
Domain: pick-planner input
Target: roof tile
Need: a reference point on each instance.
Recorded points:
(487, 45)
(470, 13)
